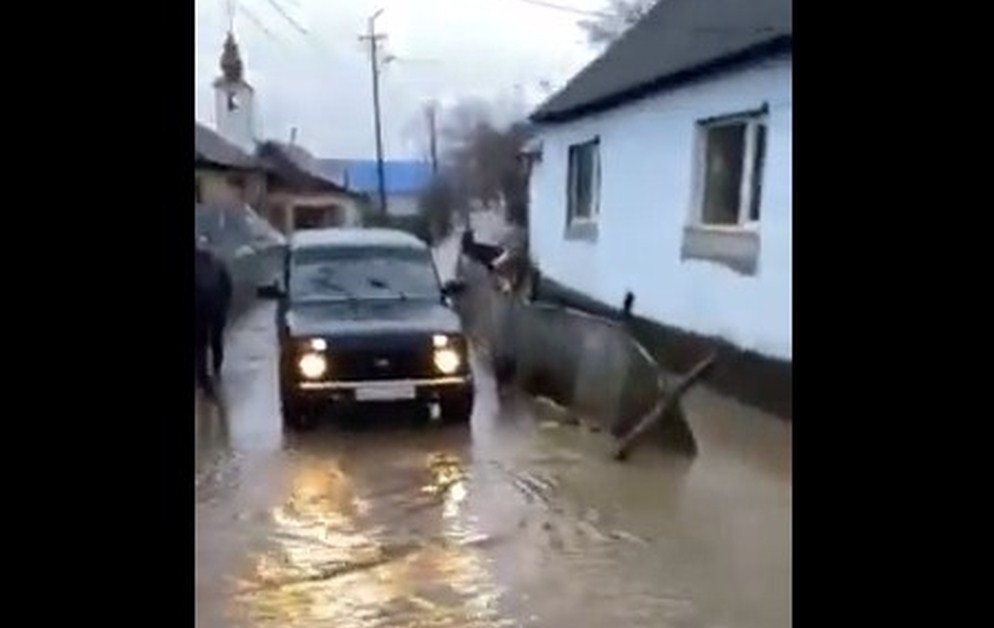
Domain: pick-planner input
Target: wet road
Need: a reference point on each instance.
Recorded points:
(511, 521)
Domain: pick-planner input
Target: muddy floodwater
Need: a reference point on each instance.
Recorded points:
(512, 520)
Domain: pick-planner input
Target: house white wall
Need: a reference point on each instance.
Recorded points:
(647, 155)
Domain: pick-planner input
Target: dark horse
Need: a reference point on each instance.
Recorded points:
(213, 290)
(484, 254)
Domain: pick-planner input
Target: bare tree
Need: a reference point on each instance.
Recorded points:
(482, 158)
(618, 17)
(437, 204)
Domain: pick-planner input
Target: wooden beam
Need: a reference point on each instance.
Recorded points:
(667, 406)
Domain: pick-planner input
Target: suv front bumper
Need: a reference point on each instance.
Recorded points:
(425, 390)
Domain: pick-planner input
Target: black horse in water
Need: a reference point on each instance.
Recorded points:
(213, 290)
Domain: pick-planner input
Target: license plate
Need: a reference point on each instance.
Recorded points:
(384, 392)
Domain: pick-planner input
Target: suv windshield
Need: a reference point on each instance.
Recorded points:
(367, 272)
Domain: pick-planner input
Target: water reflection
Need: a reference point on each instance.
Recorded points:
(211, 446)
(212, 429)
(339, 554)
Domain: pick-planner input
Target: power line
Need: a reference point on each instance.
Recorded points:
(258, 24)
(565, 9)
(286, 16)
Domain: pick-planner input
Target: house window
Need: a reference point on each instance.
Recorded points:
(733, 152)
(583, 189)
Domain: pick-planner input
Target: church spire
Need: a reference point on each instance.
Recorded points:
(231, 61)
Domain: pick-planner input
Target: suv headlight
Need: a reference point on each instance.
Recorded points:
(313, 365)
(447, 360)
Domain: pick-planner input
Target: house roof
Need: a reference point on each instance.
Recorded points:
(676, 41)
(399, 176)
(212, 149)
(297, 167)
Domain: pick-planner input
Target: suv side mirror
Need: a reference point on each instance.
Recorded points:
(270, 292)
(453, 287)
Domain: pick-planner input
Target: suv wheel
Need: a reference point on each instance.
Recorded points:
(297, 416)
(457, 408)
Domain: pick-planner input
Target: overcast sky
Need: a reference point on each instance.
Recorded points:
(320, 81)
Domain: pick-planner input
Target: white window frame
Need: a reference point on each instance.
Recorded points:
(595, 185)
(752, 120)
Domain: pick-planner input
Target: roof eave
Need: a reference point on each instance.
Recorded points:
(203, 162)
(773, 47)
(293, 178)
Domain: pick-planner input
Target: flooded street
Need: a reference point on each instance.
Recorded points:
(511, 521)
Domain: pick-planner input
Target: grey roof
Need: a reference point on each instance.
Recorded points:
(676, 41)
(337, 236)
(297, 167)
(211, 148)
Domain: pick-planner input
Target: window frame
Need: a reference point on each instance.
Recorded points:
(572, 219)
(749, 187)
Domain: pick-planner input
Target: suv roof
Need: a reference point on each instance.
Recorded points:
(338, 236)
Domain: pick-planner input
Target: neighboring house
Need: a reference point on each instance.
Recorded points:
(225, 175)
(663, 168)
(281, 181)
(301, 196)
(404, 181)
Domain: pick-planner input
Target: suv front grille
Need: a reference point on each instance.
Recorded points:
(386, 364)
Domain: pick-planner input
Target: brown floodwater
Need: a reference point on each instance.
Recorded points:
(514, 520)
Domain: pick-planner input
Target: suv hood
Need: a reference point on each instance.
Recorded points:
(355, 318)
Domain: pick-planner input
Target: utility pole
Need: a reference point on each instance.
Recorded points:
(431, 111)
(374, 39)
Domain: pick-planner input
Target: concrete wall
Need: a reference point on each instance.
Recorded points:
(591, 365)
(647, 155)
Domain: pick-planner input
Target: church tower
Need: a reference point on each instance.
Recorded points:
(233, 106)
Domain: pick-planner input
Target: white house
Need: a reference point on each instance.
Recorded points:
(664, 169)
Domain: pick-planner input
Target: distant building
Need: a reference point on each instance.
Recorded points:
(225, 175)
(404, 181)
(282, 182)
(301, 195)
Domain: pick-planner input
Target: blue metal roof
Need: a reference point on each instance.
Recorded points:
(359, 175)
